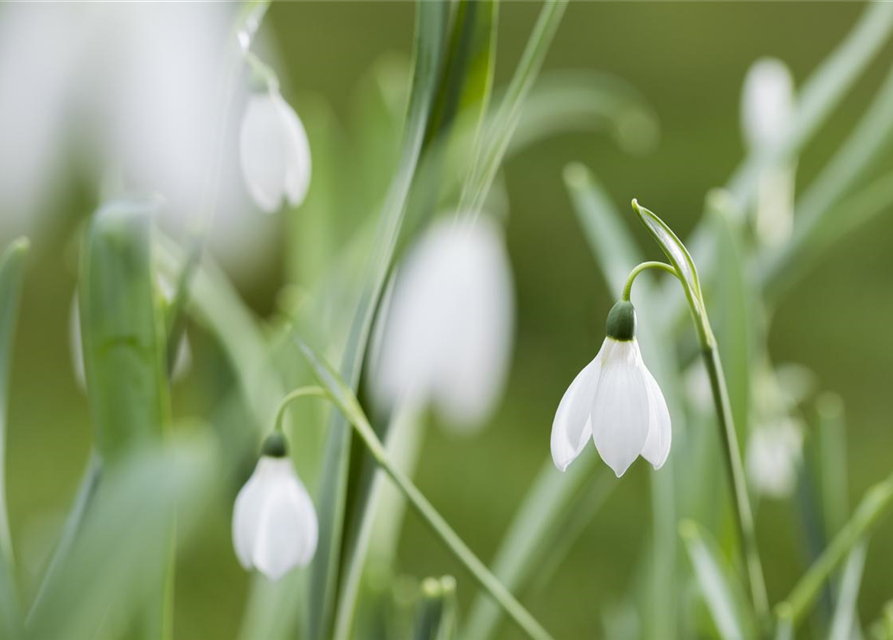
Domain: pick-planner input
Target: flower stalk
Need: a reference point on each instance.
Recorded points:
(684, 269)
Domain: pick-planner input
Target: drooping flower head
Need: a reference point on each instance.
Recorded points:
(274, 151)
(446, 334)
(615, 401)
(274, 523)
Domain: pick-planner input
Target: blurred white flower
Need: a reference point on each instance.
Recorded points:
(274, 152)
(446, 333)
(774, 452)
(274, 523)
(616, 401)
(182, 364)
(124, 89)
(767, 103)
(767, 114)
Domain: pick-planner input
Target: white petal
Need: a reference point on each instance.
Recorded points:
(287, 528)
(246, 515)
(620, 409)
(274, 152)
(298, 164)
(660, 433)
(572, 427)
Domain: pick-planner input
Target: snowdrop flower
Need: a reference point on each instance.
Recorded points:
(767, 113)
(274, 152)
(615, 401)
(774, 452)
(274, 522)
(445, 336)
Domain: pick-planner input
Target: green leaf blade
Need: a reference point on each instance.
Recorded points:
(723, 594)
(122, 329)
(12, 265)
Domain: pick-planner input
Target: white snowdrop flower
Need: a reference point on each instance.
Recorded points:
(767, 103)
(445, 337)
(274, 152)
(615, 401)
(767, 112)
(274, 523)
(774, 452)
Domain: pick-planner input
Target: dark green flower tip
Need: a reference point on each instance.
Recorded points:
(622, 321)
(275, 446)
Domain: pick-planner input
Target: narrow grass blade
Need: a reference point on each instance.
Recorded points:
(122, 329)
(124, 541)
(12, 265)
(845, 613)
(496, 138)
(430, 33)
(874, 505)
(831, 436)
(723, 594)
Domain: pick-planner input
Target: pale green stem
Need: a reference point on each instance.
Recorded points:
(628, 287)
(874, 505)
(734, 465)
(429, 514)
(300, 392)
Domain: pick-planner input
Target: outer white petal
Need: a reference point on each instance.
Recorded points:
(572, 427)
(620, 413)
(660, 433)
(298, 164)
(246, 515)
(274, 152)
(767, 102)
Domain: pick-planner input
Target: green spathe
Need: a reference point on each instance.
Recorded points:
(275, 446)
(622, 321)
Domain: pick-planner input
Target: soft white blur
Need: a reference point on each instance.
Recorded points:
(774, 453)
(767, 114)
(130, 91)
(448, 328)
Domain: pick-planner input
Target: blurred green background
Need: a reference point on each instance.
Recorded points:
(688, 60)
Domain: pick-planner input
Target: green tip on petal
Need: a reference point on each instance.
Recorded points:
(622, 321)
(275, 446)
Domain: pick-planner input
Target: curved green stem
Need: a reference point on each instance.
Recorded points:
(357, 419)
(300, 392)
(663, 266)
